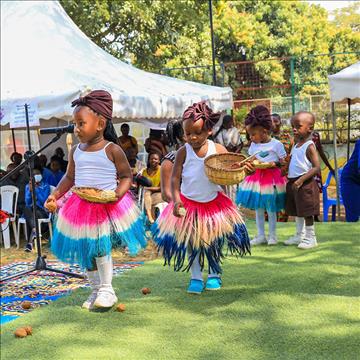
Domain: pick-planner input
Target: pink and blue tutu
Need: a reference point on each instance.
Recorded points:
(85, 230)
(205, 230)
(265, 189)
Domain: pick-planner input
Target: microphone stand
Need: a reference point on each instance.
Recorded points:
(29, 157)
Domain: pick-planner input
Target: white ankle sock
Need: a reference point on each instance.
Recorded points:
(272, 224)
(105, 269)
(212, 274)
(260, 222)
(300, 224)
(195, 269)
(310, 233)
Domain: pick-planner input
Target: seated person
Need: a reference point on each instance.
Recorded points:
(156, 143)
(229, 136)
(128, 144)
(19, 179)
(54, 175)
(16, 158)
(59, 152)
(42, 161)
(152, 194)
(42, 191)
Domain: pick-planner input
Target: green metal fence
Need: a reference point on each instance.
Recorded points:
(285, 85)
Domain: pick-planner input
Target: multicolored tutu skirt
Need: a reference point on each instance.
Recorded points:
(204, 230)
(85, 230)
(265, 189)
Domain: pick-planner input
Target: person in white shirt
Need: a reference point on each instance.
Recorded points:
(229, 135)
(265, 189)
(302, 192)
(200, 220)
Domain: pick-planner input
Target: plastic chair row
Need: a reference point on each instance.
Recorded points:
(9, 197)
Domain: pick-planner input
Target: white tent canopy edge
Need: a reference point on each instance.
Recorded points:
(47, 59)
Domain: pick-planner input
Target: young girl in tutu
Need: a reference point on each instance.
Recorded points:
(86, 231)
(265, 189)
(200, 220)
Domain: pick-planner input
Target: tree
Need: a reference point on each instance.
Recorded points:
(157, 34)
(142, 31)
(348, 16)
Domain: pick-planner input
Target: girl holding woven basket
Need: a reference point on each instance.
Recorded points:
(200, 219)
(100, 214)
(265, 189)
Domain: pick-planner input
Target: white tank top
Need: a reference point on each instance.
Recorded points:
(299, 162)
(94, 169)
(195, 184)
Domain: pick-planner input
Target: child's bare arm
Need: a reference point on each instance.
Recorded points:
(176, 179)
(122, 168)
(67, 181)
(220, 149)
(165, 172)
(312, 155)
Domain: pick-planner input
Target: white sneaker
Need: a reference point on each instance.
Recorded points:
(94, 281)
(272, 240)
(257, 240)
(293, 240)
(106, 298)
(89, 303)
(307, 244)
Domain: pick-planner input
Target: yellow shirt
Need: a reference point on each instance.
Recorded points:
(155, 178)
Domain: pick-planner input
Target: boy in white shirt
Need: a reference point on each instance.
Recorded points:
(302, 192)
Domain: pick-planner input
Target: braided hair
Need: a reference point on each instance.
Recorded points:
(202, 111)
(259, 116)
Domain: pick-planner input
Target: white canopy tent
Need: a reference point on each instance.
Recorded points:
(345, 85)
(344, 88)
(47, 59)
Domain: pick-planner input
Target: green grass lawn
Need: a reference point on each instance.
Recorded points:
(280, 303)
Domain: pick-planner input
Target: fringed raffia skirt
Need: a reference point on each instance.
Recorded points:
(85, 230)
(205, 230)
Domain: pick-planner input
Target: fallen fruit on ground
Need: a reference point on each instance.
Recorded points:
(20, 333)
(26, 305)
(120, 307)
(28, 330)
(146, 290)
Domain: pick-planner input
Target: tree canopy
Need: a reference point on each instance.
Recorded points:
(156, 34)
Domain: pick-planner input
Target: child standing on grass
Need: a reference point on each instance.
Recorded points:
(200, 219)
(86, 231)
(302, 192)
(265, 189)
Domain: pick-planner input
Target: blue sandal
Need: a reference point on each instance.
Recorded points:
(213, 283)
(195, 287)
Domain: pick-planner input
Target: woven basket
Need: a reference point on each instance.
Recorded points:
(218, 168)
(95, 195)
(260, 165)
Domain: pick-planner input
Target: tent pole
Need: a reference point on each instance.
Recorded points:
(13, 139)
(335, 160)
(348, 130)
(212, 42)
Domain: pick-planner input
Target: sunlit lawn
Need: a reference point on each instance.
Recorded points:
(280, 303)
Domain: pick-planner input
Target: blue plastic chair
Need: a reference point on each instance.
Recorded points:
(327, 202)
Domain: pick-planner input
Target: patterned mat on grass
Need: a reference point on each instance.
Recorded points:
(40, 287)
